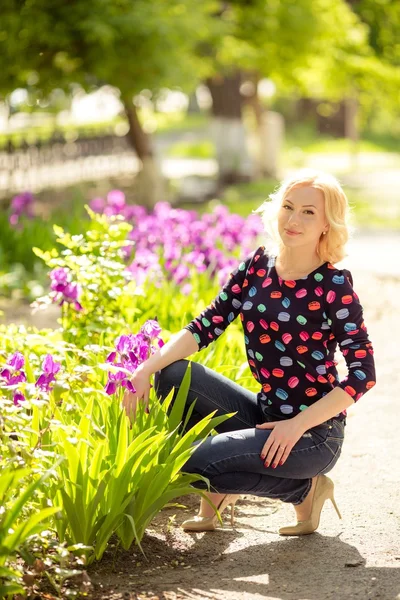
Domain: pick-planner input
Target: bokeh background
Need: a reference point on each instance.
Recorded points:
(191, 103)
(136, 139)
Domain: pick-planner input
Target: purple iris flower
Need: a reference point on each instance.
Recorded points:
(59, 279)
(114, 379)
(151, 328)
(50, 370)
(65, 290)
(18, 398)
(22, 204)
(186, 289)
(145, 267)
(13, 375)
(131, 351)
(169, 241)
(116, 198)
(97, 205)
(17, 361)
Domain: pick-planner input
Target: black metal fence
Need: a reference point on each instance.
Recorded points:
(35, 166)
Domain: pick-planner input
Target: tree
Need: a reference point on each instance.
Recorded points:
(282, 40)
(362, 68)
(130, 45)
(319, 47)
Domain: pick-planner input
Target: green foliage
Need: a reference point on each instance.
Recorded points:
(383, 20)
(322, 48)
(21, 272)
(130, 45)
(116, 476)
(96, 261)
(17, 241)
(21, 516)
(203, 149)
(111, 300)
(110, 476)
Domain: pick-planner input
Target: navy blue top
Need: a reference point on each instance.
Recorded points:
(291, 331)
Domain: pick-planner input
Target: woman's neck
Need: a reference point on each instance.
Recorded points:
(293, 260)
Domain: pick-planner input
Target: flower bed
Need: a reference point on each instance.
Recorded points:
(75, 471)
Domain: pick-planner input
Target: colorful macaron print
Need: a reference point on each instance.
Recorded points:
(291, 331)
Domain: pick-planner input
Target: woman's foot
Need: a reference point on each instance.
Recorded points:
(309, 511)
(206, 510)
(207, 519)
(303, 510)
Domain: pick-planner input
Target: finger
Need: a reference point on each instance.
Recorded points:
(132, 413)
(266, 448)
(266, 426)
(146, 401)
(130, 406)
(271, 453)
(284, 457)
(126, 399)
(278, 457)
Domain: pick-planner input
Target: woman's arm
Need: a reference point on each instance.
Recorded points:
(348, 328)
(287, 432)
(226, 306)
(324, 409)
(181, 345)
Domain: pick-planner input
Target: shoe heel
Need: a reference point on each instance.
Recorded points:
(229, 500)
(335, 506)
(233, 513)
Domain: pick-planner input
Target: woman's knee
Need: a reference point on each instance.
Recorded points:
(169, 377)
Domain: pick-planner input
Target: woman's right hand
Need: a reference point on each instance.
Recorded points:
(141, 382)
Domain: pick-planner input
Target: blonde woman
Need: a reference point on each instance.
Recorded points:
(296, 309)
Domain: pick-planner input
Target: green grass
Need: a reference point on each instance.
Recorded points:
(181, 121)
(310, 141)
(200, 149)
(299, 140)
(245, 197)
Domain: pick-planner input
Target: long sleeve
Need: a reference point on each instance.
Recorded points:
(345, 316)
(224, 309)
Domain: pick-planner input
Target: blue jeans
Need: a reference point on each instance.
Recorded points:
(231, 459)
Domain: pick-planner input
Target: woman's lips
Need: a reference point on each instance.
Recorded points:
(292, 232)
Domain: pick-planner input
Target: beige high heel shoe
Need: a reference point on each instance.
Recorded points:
(210, 523)
(323, 490)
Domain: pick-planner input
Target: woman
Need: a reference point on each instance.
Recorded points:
(296, 307)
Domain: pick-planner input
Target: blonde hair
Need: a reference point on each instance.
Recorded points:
(331, 246)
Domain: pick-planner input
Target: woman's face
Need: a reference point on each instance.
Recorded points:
(301, 218)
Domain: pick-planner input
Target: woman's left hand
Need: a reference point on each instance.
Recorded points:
(280, 442)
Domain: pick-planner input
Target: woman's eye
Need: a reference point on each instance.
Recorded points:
(287, 206)
(309, 212)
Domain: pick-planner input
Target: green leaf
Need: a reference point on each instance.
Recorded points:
(178, 407)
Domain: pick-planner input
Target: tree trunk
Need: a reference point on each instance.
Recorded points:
(351, 127)
(148, 185)
(228, 129)
(193, 106)
(259, 112)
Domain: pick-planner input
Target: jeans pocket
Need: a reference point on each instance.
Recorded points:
(335, 448)
(319, 433)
